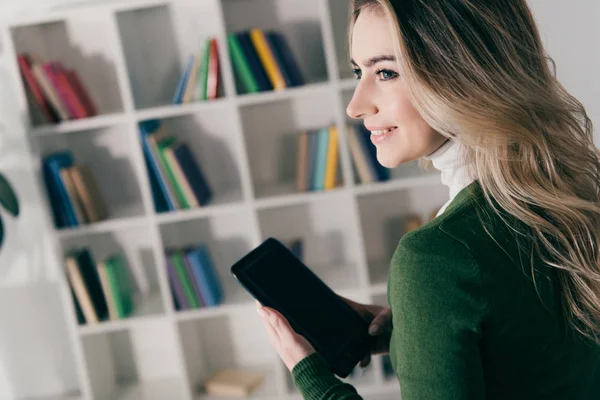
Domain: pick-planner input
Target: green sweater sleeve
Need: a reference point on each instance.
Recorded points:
(436, 295)
(315, 381)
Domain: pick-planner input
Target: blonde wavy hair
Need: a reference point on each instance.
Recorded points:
(477, 73)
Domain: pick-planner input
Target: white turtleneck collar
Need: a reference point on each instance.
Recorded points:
(447, 159)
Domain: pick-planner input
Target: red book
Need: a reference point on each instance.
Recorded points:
(212, 87)
(60, 90)
(70, 96)
(81, 92)
(34, 88)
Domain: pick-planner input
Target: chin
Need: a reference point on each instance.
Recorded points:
(392, 160)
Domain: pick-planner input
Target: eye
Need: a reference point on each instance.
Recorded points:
(357, 73)
(386, 74)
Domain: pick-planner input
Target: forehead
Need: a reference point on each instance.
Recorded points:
(371, 36)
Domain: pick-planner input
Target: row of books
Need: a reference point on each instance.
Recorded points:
(55, 92)
(364, 155)
(200, 78)
(72, 190)
(317, 159)
(176, 178)
(101, 290)
(193, 278)
(262, 60)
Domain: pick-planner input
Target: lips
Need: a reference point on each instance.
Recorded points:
(380, 130)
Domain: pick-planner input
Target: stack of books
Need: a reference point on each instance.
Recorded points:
(200, 78)
(74, 196)
(364, 155)
(262, 60)
(55, 92)
(176, 179)
(101, 291)
(317, 159)
(193, 278)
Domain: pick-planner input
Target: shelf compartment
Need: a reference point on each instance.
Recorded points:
(135, 363)
(157, 41)
(106, 152)
(223, 342)
(211, 137)
(325, 228)
(75, 43)
(228, 238)
(272, 131)
(135, 246)
(383, 216)
(298, 22)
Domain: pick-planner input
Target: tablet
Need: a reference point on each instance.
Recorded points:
(278, 279)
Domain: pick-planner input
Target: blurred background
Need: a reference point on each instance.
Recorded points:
(152, 143)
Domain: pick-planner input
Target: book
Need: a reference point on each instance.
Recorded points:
(233, 382)
(320, 159)
(256, 67)
(194, 174)
(184, 278)
(205, 275)
(332, 159)
(62, 207)
(267, 58)
(176, 286)
(88, 193)
(212, 81)
(245, 80)
(182, 84)
(301, 160)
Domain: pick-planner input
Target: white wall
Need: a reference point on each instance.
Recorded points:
(35, 354)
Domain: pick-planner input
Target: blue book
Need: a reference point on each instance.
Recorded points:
(256, 67)
(164, 198)
(55, 162)
(287, 57)
(311, 161)
(178, 96)
(60, 219)
(382, 173)
(205, 274)
(320, 159)
(193, 173)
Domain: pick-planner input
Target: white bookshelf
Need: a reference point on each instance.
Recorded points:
(130, 55)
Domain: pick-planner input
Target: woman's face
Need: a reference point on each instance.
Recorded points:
(381, 99)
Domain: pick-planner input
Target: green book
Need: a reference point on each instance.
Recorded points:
(202, 81)
(162, 145)
(240, 64)
(120, 285)
(184, 279)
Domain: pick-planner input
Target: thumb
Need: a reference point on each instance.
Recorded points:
(382, 322)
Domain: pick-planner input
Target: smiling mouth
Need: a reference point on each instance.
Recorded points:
(379, 132)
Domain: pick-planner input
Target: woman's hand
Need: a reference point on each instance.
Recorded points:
(291, 347)
(380, 325)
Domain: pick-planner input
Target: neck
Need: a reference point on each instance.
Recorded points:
(447, 159)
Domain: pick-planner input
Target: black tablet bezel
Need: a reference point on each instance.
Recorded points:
(347, 356)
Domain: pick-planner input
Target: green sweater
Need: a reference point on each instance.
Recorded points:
(468, 323)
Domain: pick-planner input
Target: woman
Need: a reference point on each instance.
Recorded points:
(499, 296)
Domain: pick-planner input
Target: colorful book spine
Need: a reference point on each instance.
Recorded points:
(332, 159)
(176, 285)
(241, 68)
(184, 279)
(205, 274)
(254, 63)
(182, 84)
(212, 84)
(267, 59)
(194, 175)
(320, 159)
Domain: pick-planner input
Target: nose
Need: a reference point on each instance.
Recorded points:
(361, 105)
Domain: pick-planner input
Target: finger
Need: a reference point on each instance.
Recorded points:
(271, 331)
(381, 323)
(365, 361)
(281, 325)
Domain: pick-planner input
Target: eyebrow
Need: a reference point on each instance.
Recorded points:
(372, 61)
